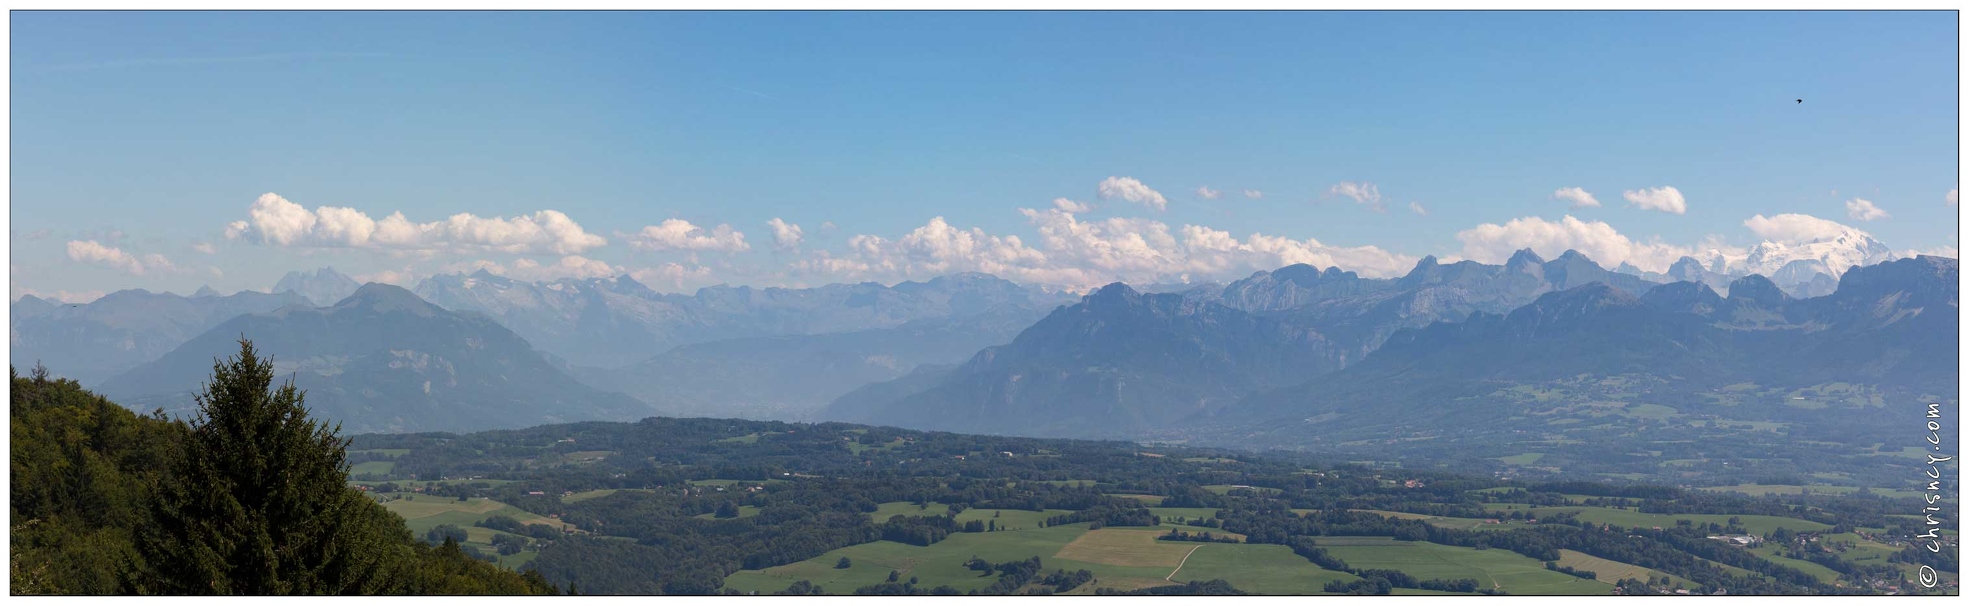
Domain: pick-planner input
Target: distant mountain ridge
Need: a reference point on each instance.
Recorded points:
(1116, 363)
(1208, 360)
(1803, 270)
(94, 341)
(384, 360)
(790, 377)
(1892, 324)
(611, 322)
(323, 286)
(1196, 352)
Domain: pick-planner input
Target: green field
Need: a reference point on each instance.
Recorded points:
(388, 452)
(1445, 522)
(744, 511)
(1127, 558)
(422, 513)
(1758, 525)
(1013, 519)
(1509, 571)
(381, 468)
(587, 494)
(856, 447)
(1188, 513)
(1764, 489)
(1007, 519)
(1522, 459)
(1266, 569)
(1227, 488)
(429, 483)
(942, 563)
(1770, 552)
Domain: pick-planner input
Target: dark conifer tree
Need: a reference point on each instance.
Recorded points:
(257, 502)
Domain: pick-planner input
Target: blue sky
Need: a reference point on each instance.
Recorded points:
(139, 138)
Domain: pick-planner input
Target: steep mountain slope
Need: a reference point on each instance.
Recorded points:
(95, 341)
(1121, 361)
(1296, 286)
(323, 286)
(605, 322)
(29, 306)
(385, 360)
(1118, 363)
(1892, 325)
(1357, 318)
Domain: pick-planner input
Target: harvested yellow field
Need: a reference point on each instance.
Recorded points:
(1605, 570)
(1117, 547)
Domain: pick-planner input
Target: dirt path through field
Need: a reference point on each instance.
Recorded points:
(1179, 565)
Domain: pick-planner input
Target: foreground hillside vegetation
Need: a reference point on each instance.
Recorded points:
(250, 497)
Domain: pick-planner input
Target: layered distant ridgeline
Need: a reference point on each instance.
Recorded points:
(1538, 367)
(1532, 366)
(113, 334)
(1888, 334)
(1121, 363)
(613, 322)
(385, 360)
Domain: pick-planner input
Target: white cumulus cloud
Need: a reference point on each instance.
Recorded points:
(1127, 188)
(786, 236)
(1580, 198)
(1862, 209)
(1664, 199)
(96, 253)
(1364, 194)
(1951, 196)
(1069, 206)
(1793, 228)
(1416, 207)
(678, 234)
(1494, 243)
(1253, 194)
(1073, 253)
(275, 221)
(1207, 193)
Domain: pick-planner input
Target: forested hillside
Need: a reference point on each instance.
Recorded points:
(250, 498)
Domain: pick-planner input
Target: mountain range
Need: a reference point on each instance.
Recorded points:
(102, 338)
(1893, 326)
(1247, 362)
(323, 286)
(613, 322)
(383, 360)
(1805, 269)
(1121, 362)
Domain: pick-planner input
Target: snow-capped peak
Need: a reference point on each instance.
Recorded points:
(1846, 250)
